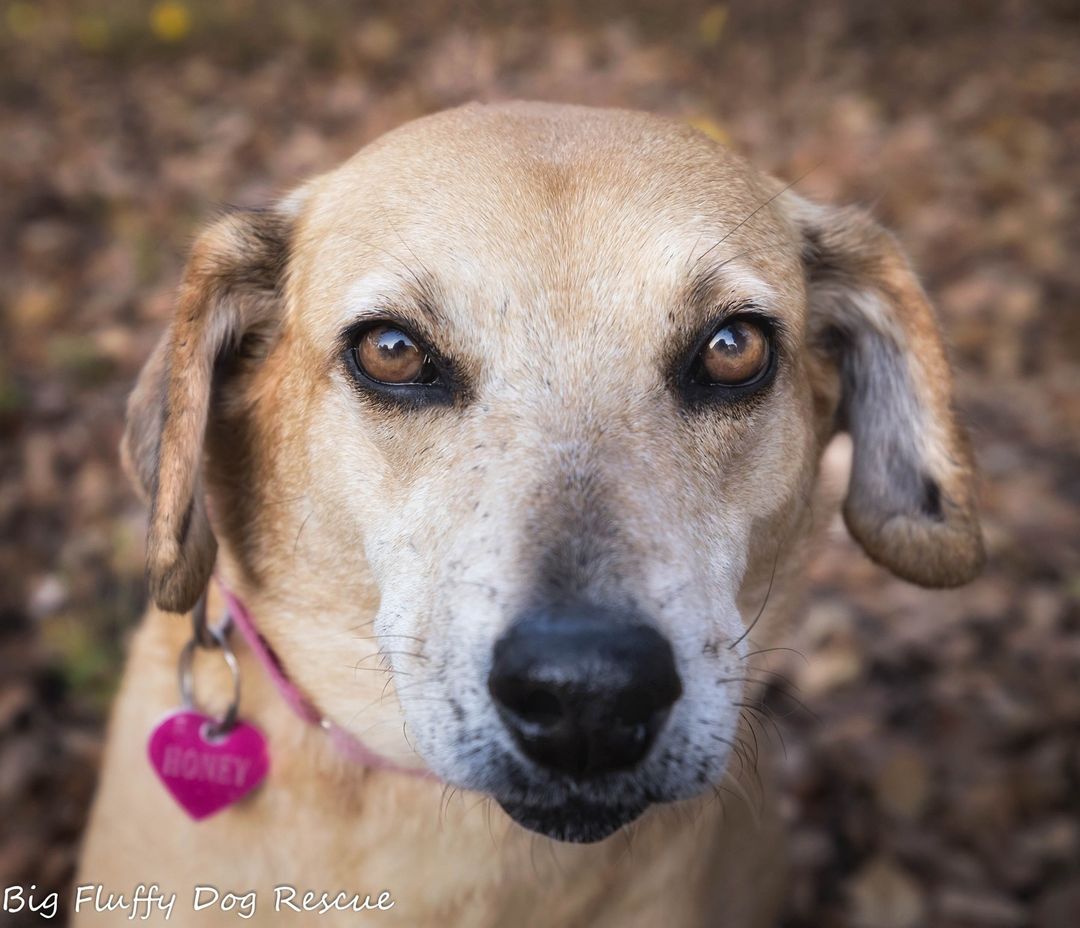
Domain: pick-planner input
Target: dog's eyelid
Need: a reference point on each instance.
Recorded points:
(729, 311)
(686, 357)
(778, 329)
(408, 321)
(448, 382)
(747, 308)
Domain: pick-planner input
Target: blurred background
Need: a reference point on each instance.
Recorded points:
(933, 777)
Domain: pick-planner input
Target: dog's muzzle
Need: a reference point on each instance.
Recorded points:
(583, 692)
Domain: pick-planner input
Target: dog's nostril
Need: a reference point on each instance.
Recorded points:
(636, 706)
(540, 707)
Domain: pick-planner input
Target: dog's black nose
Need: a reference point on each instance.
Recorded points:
(582, 691)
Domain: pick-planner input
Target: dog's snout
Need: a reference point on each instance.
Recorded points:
(582, 691)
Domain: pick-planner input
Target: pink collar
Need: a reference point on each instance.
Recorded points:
(346, 743)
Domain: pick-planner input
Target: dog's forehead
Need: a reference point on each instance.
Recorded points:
(502, 206)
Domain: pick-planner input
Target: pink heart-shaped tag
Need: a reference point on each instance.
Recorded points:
(205, 774)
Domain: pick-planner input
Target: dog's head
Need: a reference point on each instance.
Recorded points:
(529, 402)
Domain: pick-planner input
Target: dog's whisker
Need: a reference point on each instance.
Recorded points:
(378, 637)
(748, 764)
(753, 213)
(420, 681)
(807, 506)
(356, 667)
(555, 862)
(390, 680)
(784, 688)
(746, 678)
(737, 790)
(799, 708)
(718, 796)
(532, 855)
(444, 802)
(405, 734)
(758, 719)
(753, 734)
(795, 651)
(387, 654)
(778, 679)
(767, 717)
(768, 593)
(798, 704)
(486, 802)
(300, 531)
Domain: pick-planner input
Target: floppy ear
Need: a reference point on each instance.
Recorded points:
(230, 290)
(911, 501)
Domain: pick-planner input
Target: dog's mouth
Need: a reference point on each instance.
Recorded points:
(575, 820)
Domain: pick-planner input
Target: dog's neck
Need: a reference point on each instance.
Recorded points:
(348, 745)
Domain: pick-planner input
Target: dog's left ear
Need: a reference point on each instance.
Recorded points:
(911, 501)
(229, 301)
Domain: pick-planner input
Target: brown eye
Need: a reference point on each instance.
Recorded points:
(388, 354)
(736, 354)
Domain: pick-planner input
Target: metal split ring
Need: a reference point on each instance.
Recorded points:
(218, 635)
(200, 629)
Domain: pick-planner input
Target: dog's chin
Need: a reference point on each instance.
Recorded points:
(573, 820)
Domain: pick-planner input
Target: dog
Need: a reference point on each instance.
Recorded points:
(506, 435)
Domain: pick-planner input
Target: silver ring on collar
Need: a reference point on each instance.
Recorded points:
(220, 636)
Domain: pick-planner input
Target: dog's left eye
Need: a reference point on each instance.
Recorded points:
(390, 355)
(737, 354)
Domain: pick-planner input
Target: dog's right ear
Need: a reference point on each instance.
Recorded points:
(231, 291)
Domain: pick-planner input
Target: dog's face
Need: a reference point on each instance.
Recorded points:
(529, 401)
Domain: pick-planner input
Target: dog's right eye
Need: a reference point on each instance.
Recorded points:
(390, 355)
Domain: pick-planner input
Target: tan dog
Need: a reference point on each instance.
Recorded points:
(504, 431)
